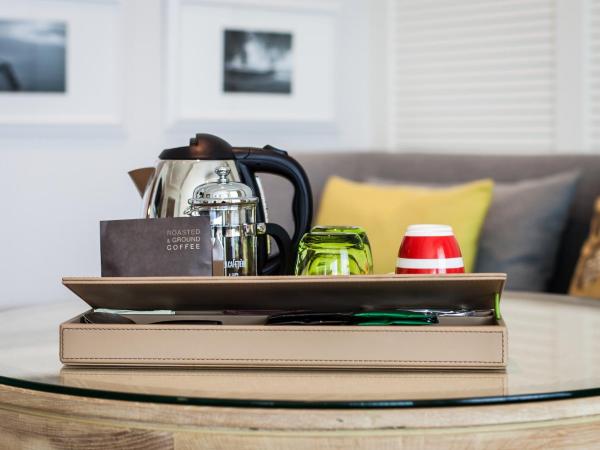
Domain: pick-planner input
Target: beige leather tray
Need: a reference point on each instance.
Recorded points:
(257, 346)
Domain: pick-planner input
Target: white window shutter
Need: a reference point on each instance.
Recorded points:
(473, 75)
(593, 76)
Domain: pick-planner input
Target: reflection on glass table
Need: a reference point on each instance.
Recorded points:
(553, 354)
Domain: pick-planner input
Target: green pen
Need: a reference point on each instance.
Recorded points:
(394, 322)
(398, 317)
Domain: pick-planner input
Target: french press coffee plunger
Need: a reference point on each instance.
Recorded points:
(231, 207)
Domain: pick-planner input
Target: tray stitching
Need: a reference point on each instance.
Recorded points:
(294, 360)
(400, 377)
(277, 329)
(282, 359)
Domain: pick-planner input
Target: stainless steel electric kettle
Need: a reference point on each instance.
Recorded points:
(167, 187)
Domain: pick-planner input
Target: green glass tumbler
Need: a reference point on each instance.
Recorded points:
(331, 254)
(360, 231)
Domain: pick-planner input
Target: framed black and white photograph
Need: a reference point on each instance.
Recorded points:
(257, 61)
(61, 67)
(257, 64)
(33, 56)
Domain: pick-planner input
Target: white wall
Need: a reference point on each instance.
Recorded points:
(57, 186)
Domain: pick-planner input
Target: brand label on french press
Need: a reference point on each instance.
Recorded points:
(235, 264)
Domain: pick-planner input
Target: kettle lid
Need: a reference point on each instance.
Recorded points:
(202, 146)
(222, 191)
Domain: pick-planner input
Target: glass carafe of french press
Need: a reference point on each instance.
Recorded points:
(231, 207)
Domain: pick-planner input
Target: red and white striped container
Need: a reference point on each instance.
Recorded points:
(428, 249)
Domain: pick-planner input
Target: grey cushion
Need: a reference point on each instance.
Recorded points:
(523, 228)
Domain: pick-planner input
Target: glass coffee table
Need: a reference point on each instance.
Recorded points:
(549, 395)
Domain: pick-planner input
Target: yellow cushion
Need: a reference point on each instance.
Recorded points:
(385, 212)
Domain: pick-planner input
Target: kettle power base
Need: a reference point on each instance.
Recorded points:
(244, 341)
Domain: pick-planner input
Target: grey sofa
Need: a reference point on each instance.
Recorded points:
(452, 168)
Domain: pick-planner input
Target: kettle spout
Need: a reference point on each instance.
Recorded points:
(141, 177)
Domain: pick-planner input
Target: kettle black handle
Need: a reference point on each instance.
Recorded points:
(284, 244)
(271, 160)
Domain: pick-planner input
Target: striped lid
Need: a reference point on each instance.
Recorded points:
(429, 230)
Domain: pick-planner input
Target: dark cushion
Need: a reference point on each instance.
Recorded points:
(523, 230)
